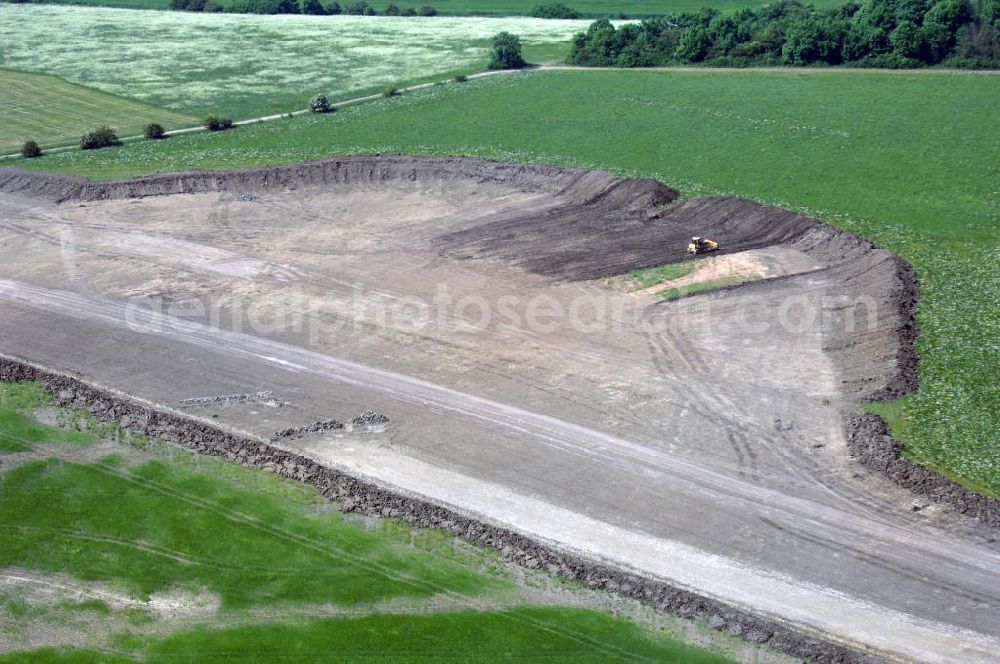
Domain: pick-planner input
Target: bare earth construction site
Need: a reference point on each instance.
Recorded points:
(689, 452)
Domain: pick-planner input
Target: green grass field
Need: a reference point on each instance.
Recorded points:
(246, 66)
(590, 8)
(653, 276)
(294, 581)
(910, 160)
(51, 111)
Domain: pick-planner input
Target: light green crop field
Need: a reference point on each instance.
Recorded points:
(909, 160)
(590, 8)
(246, 66)
(51, 111)
(112, 527)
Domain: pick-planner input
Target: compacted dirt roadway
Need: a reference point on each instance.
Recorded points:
(698, 441)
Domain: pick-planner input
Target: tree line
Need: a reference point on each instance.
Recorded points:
(314, 7)
(873, 33)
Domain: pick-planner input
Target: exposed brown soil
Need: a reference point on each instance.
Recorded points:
(580, 186)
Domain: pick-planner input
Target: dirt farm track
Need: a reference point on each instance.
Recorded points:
(698, 442)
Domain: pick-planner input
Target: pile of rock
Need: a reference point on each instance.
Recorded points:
(370, 420)
(315, 427)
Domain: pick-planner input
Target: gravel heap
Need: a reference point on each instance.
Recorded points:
(315, 427)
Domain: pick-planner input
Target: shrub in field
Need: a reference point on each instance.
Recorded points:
(154, 131)
(213, 7)
(264, 7)
(320, 104)
(409, 11)
(461, 78)
(312, 7)
(391, 92)
(391, 10)
(554, 10)
(213, 123)
(358, 8)
(100, 138)
(189, 5)
(505, 52)
(333, 8)
(31, 150)
(427, 10)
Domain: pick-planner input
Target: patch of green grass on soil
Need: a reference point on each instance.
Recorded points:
(653, 276)
(18, 430)
(895, 415)
(702, 286)
(909, 160)
(23, 396)
(51, 111)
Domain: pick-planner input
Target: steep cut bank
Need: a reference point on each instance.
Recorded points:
(578, 186)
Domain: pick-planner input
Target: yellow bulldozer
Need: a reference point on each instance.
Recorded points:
(701, 245)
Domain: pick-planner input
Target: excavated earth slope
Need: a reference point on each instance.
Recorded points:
(693, 452)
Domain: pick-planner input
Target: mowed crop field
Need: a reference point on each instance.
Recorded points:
(119, 549)
(909, 160)
(246, 66)
(50, 111)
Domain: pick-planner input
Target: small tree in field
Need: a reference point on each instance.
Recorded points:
(391, 10)
(213, 123)
(320, 104)
(31, 150)
(427, 10)
(154, 131)
(99, 138)
(505, 52)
